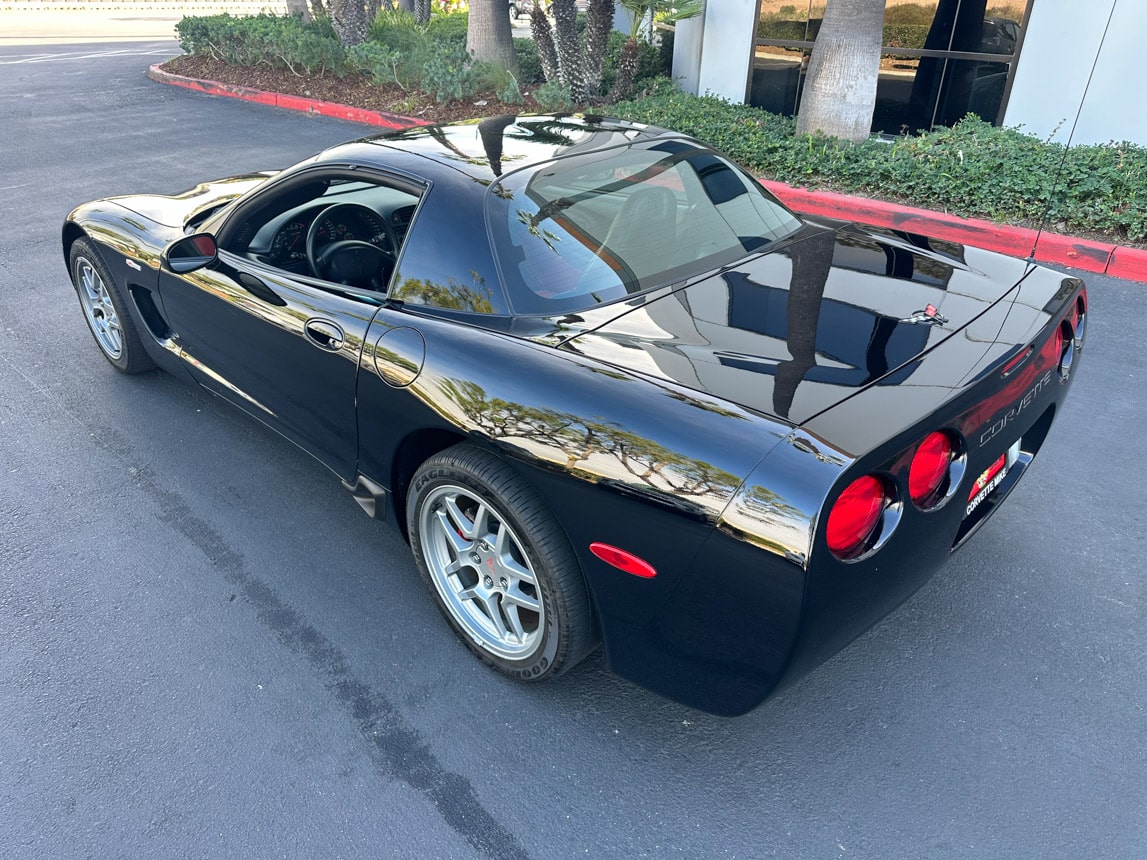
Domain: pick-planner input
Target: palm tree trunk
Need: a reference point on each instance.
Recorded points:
(349, 20)
(570, 69)
(300, 8)
(488, 35)
(626, 72)
(599, 24)
(840, 91)
(544, 38)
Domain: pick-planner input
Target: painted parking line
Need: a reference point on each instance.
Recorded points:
(18, 59)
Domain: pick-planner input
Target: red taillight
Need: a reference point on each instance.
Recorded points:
(623, 560)
(930, 467)
(855, 515)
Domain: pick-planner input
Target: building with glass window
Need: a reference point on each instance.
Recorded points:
(1012, 62)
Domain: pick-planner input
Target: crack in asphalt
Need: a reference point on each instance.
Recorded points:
(396, 748)
(395, 745)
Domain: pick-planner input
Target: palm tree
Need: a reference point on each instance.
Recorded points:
(840, 90)
(349, 20)
(488, 35)
(566, 57)
(643, 14)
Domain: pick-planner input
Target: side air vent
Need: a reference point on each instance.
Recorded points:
(400, 219)
(156, 324)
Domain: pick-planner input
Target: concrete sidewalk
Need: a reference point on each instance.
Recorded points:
(62, 23)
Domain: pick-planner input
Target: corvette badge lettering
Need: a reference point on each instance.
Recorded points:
(1013, 413)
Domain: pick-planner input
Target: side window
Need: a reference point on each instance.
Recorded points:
(344, 229)
(447, 263)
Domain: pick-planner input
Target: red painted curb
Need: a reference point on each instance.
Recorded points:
(1090, 256)
(313, 106)
(1130, 264)
(1082, 254)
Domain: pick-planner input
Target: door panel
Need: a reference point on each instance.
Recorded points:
(285, 351)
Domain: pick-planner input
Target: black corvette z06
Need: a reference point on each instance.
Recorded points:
(610, 388)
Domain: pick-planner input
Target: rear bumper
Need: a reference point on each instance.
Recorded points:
(752, 615)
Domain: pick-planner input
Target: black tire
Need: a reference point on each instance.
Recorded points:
(106, 310)
(516, 555)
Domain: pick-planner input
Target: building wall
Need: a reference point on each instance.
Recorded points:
(1062, 42)
(711, 52)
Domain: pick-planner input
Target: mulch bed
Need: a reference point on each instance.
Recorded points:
(354, 90)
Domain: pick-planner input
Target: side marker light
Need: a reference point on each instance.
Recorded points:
(623, 560)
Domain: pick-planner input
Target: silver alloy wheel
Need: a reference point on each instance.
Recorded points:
(98, 308)
(480, 570)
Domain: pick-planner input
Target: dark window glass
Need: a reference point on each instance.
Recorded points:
(778, 78)
(791, 20)
(928, 72)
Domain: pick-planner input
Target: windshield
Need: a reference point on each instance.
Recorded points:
(583, 230)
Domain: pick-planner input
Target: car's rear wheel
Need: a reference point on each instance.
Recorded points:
(106, 311)
(500, 568)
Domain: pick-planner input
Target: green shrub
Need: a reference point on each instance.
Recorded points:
(489, 78)
(896, 35)
(788, 28)
(553, 96)
(529, 63)
(280, 42)
(451, 26)
(446, 72)
(973, 169)
(323, 27)
(378, 61)
(905, 35)
(397, 30)
(909, 13)
(510, 92)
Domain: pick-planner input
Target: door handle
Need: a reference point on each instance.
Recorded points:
(324, 334)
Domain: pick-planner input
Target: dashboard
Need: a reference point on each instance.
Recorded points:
(377, 215)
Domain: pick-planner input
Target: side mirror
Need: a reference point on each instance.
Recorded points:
(191, 253)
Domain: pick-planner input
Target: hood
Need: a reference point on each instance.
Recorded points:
(177, 209)
(793, 332)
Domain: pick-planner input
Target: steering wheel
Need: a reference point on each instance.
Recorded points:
(349, 261)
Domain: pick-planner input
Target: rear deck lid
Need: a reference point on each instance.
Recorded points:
(793, 332)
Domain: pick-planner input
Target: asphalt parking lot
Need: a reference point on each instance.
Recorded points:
(207, 650)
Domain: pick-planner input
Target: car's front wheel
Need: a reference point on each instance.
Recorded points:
(106, 311)
(500, 568)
